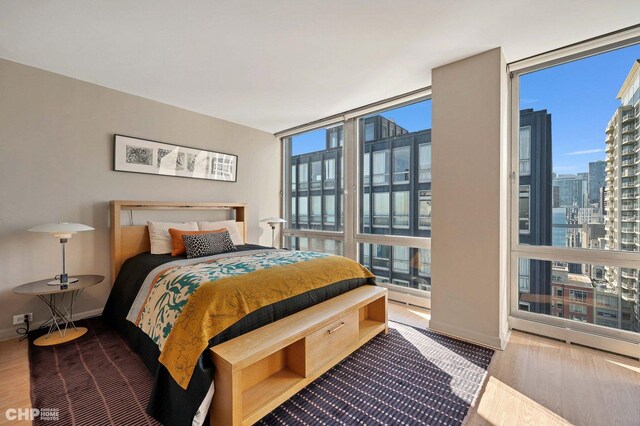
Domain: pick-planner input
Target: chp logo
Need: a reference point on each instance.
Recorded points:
(46, 414)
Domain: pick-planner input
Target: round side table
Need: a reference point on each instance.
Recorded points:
(59, 300)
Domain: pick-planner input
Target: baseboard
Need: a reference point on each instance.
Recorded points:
(467, 335)
(10, 333)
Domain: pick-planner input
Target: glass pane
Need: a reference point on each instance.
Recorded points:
(578, 153)
(579, 182)
(323, 245)
(398, 265)
(401, 163)
(316, 168)
(395, 176)
(580, 292)
(424, 158)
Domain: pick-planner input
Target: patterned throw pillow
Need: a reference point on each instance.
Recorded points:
(208, 244)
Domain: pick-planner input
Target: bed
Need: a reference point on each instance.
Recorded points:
(175, 346)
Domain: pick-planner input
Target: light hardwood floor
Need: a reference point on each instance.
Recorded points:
(535, 381)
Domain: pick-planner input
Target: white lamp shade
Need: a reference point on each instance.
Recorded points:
(273, 220)
(62, 229)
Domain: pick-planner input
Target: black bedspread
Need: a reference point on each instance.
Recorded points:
(169, 403)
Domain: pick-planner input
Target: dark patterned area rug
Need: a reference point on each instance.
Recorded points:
(408, 376)
(93, 380)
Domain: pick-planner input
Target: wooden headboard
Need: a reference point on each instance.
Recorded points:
(127, 241)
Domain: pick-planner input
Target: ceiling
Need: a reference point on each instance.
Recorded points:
(276, 64)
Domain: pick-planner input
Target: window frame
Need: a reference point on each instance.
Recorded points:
(351, 204)
(599, 336)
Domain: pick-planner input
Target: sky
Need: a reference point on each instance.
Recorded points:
(579, 95)
(412, 117)
(581, 98)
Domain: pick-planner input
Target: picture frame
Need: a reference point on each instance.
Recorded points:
(136, 155)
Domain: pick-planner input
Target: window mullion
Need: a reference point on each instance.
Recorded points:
(350, 194)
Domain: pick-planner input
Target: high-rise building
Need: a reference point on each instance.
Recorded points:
(572, 190)
(596, 181)
(535, 203)
(622, 225)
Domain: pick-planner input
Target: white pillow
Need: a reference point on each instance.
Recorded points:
(159, 234)
(230, 225)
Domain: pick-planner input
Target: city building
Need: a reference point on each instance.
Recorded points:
(396, 183)
(571, 295)
(572, 190)
(622, 199)
(535, 206)
(596, 181)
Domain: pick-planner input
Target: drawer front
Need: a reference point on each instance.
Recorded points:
(324, 345)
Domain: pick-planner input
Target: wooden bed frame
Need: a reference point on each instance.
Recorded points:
(129, 240)
(259, 370)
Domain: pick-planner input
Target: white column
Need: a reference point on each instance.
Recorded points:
(470, 190)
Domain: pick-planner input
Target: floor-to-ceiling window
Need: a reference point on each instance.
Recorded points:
(387, 153)
(576, 194)
(314, 190)
(394, 221)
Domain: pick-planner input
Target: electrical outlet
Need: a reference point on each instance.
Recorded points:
(20, 319)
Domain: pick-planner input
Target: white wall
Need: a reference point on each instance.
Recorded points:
(469, 190)
(56, 160)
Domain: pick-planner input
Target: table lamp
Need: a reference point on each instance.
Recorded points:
(272, 222)
(63, 231)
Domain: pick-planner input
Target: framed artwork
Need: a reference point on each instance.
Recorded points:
(158, 158)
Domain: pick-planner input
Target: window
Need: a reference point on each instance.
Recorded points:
(577, 295)
(395, 201)
(366, 207)
(577, 309)
(313, 198)
(294, 216)
(424, 210)
(366, 255)
(525, 208)
(381, 256)
(380, 209)
(401, 158)
(424, 158)
(381, 167)
(391, 205)
(575, 199)
(369, 132)
(329, 173)
(329, 217)
(366, 169)
(335, 136)
(316, 174)
(524, 276)
(401, 259)
(293, 177)
(304, 176)
(303, 211)
(424, 262)
(401, 210)
(316, 210)
(525, 150)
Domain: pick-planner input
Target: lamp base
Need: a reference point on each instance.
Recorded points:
(58, 282)
(55, 338)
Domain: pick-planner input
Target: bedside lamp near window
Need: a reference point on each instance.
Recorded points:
(273, 222)
(63, 231)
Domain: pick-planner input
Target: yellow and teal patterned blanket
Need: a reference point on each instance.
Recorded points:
(185, 304)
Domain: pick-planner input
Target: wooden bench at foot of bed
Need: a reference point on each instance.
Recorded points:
(258, 371)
